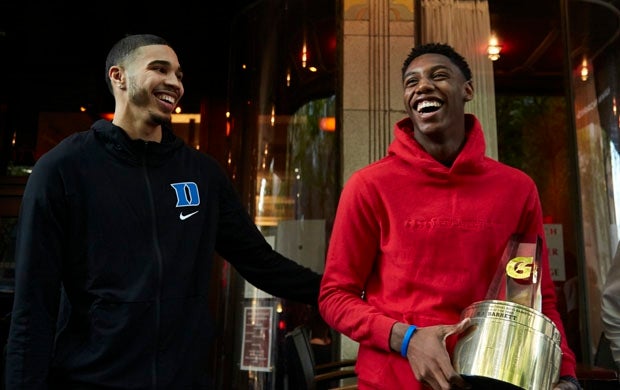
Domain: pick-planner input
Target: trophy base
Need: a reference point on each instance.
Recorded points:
(510, 343)
(483, 383)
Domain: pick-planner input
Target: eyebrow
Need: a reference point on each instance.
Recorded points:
(432, 69)
(160, 62)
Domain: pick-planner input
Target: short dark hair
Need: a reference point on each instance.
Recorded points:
(123, 48)
(444, 50)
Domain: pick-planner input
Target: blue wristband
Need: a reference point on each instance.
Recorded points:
(406, 339)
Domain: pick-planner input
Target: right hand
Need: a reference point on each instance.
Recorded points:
(429, 358)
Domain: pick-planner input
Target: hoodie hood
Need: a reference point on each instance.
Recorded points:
(470, 159)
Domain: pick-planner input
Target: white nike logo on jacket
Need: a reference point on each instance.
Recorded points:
(184, 217)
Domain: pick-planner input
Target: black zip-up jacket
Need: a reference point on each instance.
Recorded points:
(116, 242)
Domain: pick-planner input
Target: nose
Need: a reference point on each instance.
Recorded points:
(175, 82)
(424, 84)
(173, 79)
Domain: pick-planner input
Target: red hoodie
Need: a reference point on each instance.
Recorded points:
(417, 242)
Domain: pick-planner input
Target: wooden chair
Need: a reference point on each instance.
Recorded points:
(303, 374)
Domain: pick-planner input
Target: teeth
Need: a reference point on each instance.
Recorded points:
(428, 103)
(166, 98)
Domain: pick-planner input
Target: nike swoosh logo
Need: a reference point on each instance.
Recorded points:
(184, 217)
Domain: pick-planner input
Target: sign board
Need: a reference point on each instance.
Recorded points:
(256, 344)
(555, 244)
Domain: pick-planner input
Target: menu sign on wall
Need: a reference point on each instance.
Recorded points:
(256, 345)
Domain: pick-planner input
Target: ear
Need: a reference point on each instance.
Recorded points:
(116, 75)
(468, 91)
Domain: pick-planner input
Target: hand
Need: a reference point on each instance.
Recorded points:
(565, 385)
(429, 358)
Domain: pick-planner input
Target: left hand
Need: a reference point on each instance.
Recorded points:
(565, 385)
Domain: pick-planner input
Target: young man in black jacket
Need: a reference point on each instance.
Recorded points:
(117, 234)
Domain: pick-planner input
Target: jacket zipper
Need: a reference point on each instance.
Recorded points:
(159, 265)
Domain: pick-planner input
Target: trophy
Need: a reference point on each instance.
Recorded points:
(510, 344)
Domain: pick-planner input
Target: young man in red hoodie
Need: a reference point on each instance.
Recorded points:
(419, 234)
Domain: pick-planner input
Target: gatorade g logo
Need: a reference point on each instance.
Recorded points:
(520, 267)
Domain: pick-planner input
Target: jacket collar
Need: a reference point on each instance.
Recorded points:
(135, 152)
(470, 159)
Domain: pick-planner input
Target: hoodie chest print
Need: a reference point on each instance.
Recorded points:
(187, 196)
(447, 223)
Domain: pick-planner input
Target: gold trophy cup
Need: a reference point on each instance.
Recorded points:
(510, 343)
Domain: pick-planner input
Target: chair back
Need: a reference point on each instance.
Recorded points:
(302, 371)
(300, 360)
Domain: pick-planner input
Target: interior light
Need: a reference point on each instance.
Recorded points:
(304, 55)
(494, 48)
(584, 70)
(327, 123)
(185, 118)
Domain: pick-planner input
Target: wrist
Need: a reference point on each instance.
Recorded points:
(406, 339)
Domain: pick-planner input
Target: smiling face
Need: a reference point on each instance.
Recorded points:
(154, 82)
(435, 92)
(147, 87)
